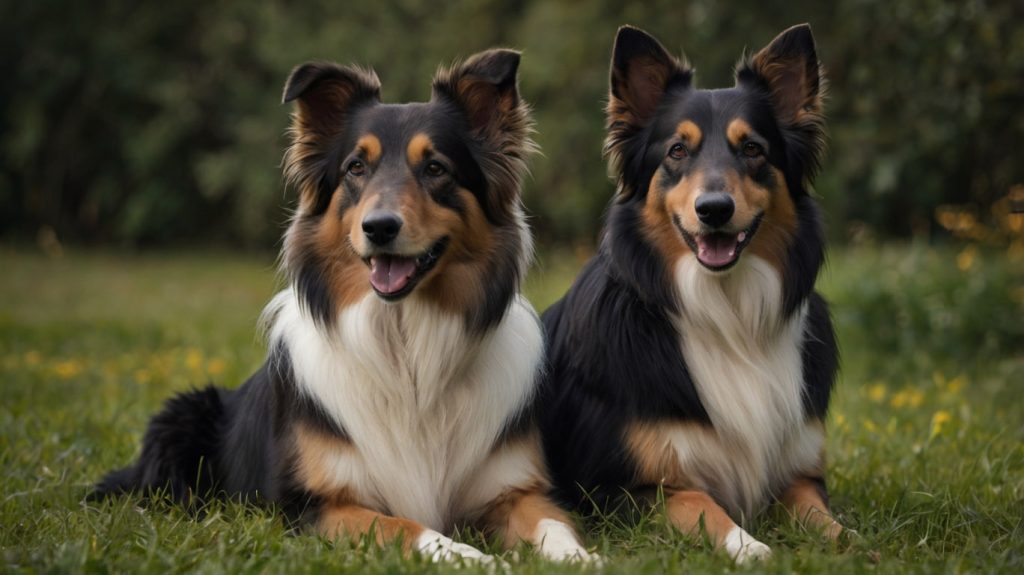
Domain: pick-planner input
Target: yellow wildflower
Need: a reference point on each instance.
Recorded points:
(877, 392)
(965, 259)
(33, 358)
(957, 383)
(940, 418)
(215, 366)
(907, 398)
(68, 369)
(194, 359)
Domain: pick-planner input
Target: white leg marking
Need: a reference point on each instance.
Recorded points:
(742, 546)
(556, 540)
(437, 548)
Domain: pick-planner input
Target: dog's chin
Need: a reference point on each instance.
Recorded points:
(395, 276)
(719, 250)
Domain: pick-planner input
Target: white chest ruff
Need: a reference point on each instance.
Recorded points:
(422, 401)
(745, 360)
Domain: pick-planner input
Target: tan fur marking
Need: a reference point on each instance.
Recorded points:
(418, 149)
(690, 133)
(803, 500)
(749, 198)
(457, 283)
(354, 521)
(347, 275)
(370, 145)
(738, 131)
(514, 516)
(312, 450)
(656, 459)
(659, 209)
(686, 509)
(778, 227)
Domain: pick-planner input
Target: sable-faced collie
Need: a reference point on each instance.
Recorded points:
(398, 395)
(692, 352)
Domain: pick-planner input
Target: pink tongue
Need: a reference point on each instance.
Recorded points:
(390, 274)
(716, 250)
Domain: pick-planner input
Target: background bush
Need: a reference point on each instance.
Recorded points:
(150, 123)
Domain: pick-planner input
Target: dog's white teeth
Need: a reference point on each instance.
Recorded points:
(742, 236)
(732, 252)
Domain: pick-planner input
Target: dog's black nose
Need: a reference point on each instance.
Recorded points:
(381, 226)
(715, 209)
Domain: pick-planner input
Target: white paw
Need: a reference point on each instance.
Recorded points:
(437, 548)
(557, 541)
(743, 548)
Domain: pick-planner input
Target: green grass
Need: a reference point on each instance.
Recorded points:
(926, 432)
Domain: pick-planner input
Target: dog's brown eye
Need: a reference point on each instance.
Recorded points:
(435, 169)
(678, 152)
(752, 150)
(356, 168)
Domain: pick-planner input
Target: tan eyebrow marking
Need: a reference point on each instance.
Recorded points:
(419, 147)
(370, 145)
(690, 132)
(737, 132)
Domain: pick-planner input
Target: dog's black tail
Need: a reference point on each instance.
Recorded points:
(179, 452)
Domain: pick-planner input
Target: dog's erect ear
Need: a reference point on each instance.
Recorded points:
(641, 72)
(326, 91)
(484, 86)
(325, 94)
(789, 68)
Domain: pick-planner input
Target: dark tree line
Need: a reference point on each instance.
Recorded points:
(149, 123)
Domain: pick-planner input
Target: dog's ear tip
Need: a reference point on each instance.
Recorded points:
(498, 64)
(628, 32)
(307, 76)
(300, 78)
(795, 38)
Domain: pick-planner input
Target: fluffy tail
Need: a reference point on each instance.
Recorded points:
(179, 452)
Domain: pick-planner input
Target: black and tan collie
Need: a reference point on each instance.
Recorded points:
(692, 352)
(397, 397)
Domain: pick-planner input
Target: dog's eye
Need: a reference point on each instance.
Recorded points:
(752, 150)
(356, 168)
(678, 152)
(435, 169)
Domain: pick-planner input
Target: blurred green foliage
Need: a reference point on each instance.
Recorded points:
(928, 307)
(146, 123)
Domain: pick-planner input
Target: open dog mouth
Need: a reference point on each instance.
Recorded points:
(719, 250)
(394, 276)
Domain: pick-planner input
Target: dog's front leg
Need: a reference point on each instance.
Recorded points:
(529, 515)
(354, 521)
(807, 500)
(689, 510)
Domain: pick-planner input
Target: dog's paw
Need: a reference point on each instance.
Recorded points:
(743, 548)
(833, 530)
(557, 541)
(437, 548)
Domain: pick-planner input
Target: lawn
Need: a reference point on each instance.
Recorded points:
(926, 440)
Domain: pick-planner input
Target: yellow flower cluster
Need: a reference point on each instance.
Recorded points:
(1003, 226)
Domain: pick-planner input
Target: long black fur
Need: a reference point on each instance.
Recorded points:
(216, 442)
